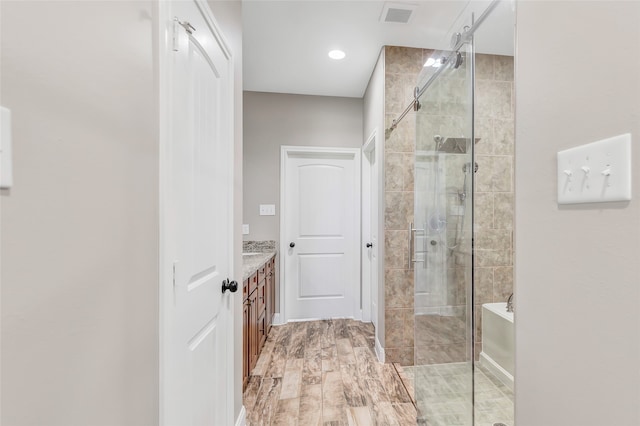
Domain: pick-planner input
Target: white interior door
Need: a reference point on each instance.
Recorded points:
(366, 244)
(370, 227)
(197, 316)
(320, 234)
(369, 246)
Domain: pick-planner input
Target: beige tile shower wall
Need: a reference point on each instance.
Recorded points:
(402, 66)
(493, 202)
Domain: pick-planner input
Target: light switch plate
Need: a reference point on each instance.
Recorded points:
(267, 209)
(245, 229)
(598, 172)
(6, 167)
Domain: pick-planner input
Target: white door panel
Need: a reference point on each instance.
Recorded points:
(197, 224)
(370, 226)
(321, 218)
(320, 276)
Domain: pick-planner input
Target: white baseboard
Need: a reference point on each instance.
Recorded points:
(276, 319)
(496, 369)
(379, 351)
(242, 417)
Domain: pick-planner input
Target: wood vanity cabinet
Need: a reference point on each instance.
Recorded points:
(254, 350)
(270, 285)
(258, 308)
(245, 333)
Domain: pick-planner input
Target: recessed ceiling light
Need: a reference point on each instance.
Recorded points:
(337, 54)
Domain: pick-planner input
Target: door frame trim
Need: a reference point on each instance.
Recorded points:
(287, 150)
(165, 271)
(369, 146)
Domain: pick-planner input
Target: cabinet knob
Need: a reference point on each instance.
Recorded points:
(292, 244)
(232, 286)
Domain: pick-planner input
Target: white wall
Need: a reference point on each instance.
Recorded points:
(228, 14)
(80, 226)
(577, 269)
(373, 119)
(274, 119)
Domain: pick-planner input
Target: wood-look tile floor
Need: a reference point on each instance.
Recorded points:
(325, 373)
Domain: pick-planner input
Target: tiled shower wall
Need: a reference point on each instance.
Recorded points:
(402, 66)
(493, 202)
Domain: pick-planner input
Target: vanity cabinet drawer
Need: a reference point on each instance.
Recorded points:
(245, 289)
(261, 273)
(261, 296)
(262, 330)
(253, 282)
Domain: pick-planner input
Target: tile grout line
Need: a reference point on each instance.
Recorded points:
(412, 399)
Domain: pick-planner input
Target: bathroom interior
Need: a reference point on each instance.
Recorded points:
(81, 272)
(446, 316)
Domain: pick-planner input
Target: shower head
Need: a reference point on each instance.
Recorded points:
(453, 145)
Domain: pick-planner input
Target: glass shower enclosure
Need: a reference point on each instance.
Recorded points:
(450, 388)
(441, 240)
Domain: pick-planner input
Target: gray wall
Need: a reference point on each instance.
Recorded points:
(577, 270)
(228, 14)
(80, 226)
(272, 120)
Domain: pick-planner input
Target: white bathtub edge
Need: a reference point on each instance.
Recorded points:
(495, 369)
(499, 308)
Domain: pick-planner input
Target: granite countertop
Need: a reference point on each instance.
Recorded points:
(256, 254)
(253, 262)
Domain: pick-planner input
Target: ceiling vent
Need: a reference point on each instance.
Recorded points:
(397, 13)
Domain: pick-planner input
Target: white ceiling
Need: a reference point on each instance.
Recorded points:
(285, 43)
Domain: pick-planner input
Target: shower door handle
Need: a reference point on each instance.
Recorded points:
(412, 232)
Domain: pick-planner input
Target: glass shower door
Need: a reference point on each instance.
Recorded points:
(441, 243)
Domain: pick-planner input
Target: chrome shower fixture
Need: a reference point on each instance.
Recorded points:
(467, 166)
(457, 60)
(438, 140)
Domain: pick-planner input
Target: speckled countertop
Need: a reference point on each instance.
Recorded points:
(250, 264)
(261, 251)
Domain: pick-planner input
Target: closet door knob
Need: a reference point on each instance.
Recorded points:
(232, 286)
(369, 245)
(292, 244)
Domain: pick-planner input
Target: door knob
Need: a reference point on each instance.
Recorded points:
(369, 245)
(232, 286)
(292, 244)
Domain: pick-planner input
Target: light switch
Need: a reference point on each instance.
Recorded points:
(267, 209)
(6, 167)
(245, 229)
(598, 172)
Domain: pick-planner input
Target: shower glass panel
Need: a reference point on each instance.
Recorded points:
(441, 242)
